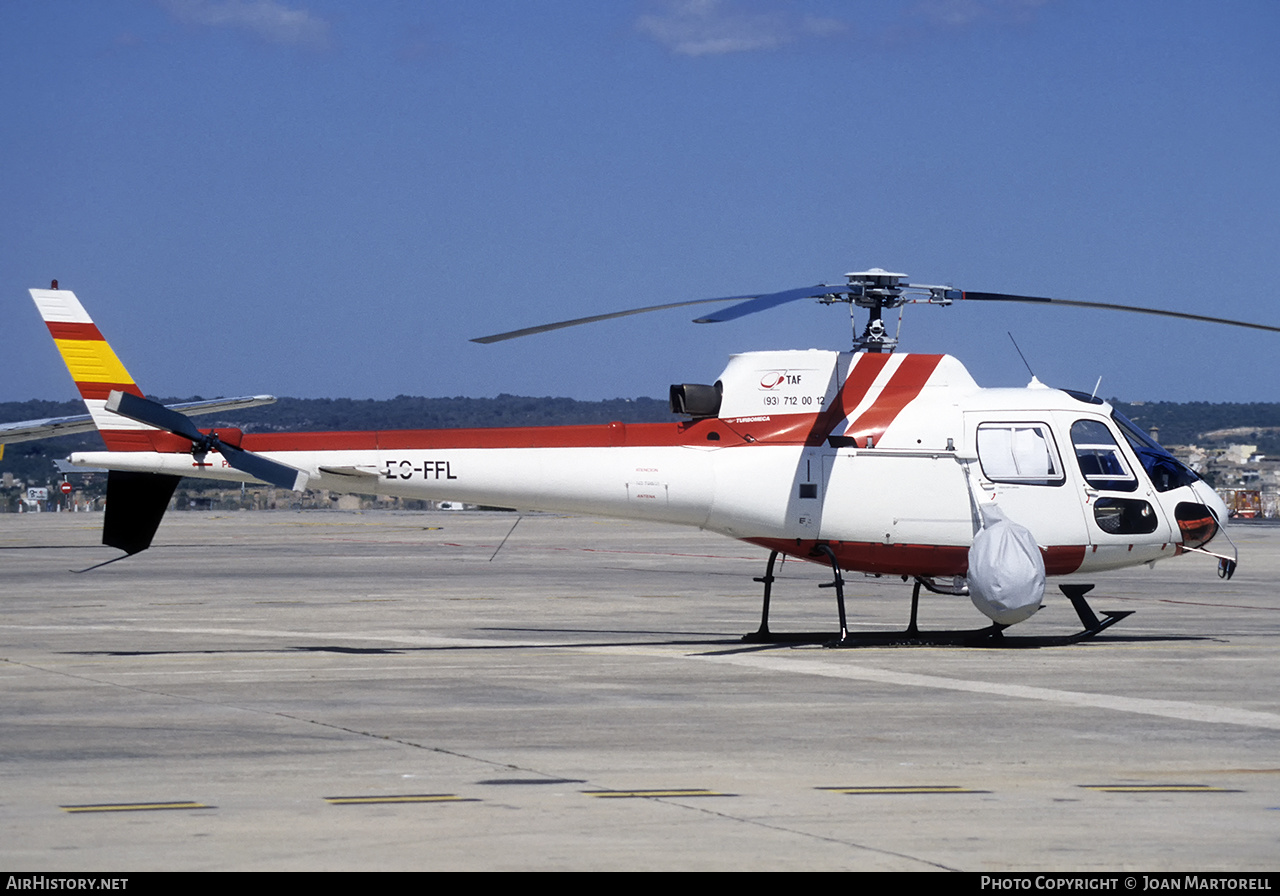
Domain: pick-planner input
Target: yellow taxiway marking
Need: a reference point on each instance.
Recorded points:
(134, 807)
(942, 788)
(641, 794)
(1158, 788)
(398, 798)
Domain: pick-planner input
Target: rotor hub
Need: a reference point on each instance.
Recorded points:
(876, 288)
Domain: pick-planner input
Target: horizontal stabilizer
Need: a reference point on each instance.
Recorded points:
(50, 427)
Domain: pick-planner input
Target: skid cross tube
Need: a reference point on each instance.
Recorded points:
(990, 636)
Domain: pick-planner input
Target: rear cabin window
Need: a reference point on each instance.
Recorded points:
(1099, 457)
(1019, 452)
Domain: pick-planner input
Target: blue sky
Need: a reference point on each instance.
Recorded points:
(319, 198)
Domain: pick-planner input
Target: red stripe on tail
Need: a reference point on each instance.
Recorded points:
(64, 330)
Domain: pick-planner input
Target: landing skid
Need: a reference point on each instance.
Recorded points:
(991, 636)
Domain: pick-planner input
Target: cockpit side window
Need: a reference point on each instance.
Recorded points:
(1100, 459)
(1022, 453)
(1166, 471)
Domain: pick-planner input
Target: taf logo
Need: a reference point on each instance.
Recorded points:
(778, 377)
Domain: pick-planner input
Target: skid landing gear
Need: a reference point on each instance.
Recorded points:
(990, 636)
(764, 636)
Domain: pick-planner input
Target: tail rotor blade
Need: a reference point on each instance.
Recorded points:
(154, 414)
(270, 471)
(144, 410)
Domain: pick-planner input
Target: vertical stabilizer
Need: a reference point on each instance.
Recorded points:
(94, 367)
(136, 503)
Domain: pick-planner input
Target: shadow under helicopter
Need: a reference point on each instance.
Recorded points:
(720, 644)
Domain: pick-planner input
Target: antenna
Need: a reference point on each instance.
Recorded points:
(1021, 355)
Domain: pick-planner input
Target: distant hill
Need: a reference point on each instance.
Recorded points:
(1208, 425)
(413, 412)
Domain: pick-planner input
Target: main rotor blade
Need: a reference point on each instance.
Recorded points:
(767, 301)
(546, 328)
(1040, 300)
(144, 410)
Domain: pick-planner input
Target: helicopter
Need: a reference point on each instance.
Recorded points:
(866, 461)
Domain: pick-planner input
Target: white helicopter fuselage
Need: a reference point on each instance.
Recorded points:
(885, 458)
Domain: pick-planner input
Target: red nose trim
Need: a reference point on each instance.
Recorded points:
(1196, 523)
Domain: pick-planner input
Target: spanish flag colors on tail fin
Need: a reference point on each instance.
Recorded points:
(135, 501)
(94, 367)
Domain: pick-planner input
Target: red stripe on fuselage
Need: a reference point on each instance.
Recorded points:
(875, 557)
(1063, 559)
(856, 386)
(776, 429)
(813, 429)
(702, 433)
(903, 386)
(911, 559)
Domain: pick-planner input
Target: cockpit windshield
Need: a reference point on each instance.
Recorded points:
(1165, 470)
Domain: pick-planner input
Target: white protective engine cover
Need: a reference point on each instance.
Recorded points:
(1006, 569)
